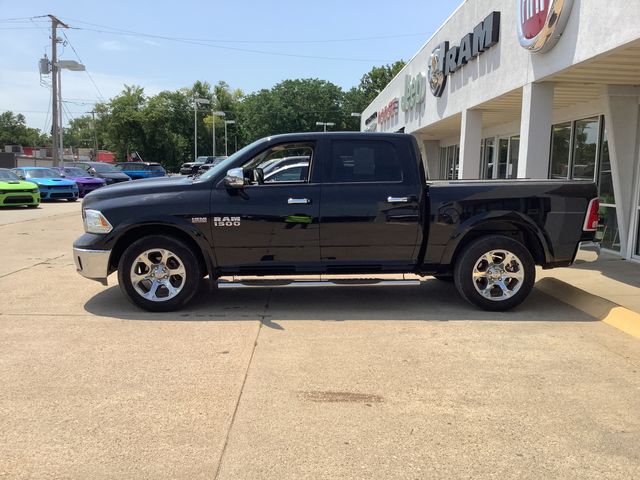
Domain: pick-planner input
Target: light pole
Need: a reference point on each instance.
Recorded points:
(227, 122)
(213, 128)
(358, 116)
(74, 67)
(325, 125)
(196, 102)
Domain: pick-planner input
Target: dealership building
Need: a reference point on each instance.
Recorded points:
(537, 89)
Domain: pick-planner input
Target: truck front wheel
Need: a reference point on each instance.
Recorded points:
(159, 273)
(495, 273)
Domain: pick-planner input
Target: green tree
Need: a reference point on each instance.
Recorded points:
(14, 131)
(291, 106)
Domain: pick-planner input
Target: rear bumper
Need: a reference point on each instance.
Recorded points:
(587, 252)
(93, 264)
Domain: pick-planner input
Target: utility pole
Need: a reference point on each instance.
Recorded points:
(54, 87)
(95, 137)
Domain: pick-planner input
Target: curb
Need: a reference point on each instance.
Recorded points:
(604, 310)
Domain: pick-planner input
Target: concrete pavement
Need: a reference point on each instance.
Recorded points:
(354, 382)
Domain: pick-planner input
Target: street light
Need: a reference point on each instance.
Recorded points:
(325, 125)
(74, 67)
(196, 102)
(213, 128)
(357, 115)
(227, 122)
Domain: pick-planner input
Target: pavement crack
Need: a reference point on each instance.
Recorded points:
(34, 265)
(244, 381)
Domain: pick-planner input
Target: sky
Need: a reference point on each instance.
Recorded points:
(247, 43)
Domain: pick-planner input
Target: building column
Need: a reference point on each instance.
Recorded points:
(470, 142)
(621, 121)
(535, 130)
(431, 157)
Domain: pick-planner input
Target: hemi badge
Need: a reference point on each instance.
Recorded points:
(199, 220)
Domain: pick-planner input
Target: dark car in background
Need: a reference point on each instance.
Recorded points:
(138, 170)
(86, 183)
(191, 168)
(106, 171)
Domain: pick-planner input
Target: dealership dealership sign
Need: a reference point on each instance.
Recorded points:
(415, 91)
(541, 22)
(446, 60)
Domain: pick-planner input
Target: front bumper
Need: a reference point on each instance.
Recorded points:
(587, 252)
(93, 264)
(58, 194)
(14, 199)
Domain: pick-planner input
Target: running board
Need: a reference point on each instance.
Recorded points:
(347, 282)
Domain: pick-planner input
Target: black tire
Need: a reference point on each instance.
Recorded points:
(497, 300)
(184, 256)
(33, 206)
(444, 278)
(72, 199)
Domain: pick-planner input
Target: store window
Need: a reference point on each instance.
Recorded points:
(449, 162)
(585, 148)
(608, 232)
(500, 157)
(580, 151)
(560, 150)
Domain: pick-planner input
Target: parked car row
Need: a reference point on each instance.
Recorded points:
(201, 165)
(30, 185)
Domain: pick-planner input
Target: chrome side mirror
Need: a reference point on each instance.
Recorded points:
(234, 178)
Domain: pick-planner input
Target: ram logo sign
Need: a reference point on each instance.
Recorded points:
(541, 22)
(226, 221)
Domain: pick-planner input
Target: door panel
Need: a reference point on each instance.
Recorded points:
(360, 226)
(258, 226)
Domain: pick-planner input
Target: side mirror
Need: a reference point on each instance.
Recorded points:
(92, 172)
(234, 178)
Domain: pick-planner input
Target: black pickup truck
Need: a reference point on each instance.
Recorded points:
(350, 203)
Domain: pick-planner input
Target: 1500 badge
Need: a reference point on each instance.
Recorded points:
(226, 221)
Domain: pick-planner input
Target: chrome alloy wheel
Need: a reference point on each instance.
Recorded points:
(498, 275)
(158, 275)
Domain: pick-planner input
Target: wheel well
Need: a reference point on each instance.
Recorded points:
(507, 229)
(144, 231)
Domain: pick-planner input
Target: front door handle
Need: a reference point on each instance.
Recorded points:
(397, 199)
(298, 201)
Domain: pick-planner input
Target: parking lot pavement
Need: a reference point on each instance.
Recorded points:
(353, 382)
(33, 236)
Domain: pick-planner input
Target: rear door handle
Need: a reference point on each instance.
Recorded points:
(298, 201)
(397, 199)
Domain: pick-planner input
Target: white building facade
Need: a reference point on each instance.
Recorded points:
(530, 89)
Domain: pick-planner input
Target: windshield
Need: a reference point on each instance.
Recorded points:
(41, 173)
(155, 168)
(222, 166)
(201, 159)
(74, 172)
(104, 168)
(8, 175)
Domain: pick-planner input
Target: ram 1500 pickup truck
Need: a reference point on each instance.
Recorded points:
(353, 203)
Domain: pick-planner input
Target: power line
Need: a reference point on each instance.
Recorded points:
(85, 68)
(235, 49)
(261, 41)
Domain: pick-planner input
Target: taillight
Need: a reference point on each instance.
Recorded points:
(592, 218)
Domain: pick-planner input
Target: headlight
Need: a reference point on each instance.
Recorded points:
(95, 222)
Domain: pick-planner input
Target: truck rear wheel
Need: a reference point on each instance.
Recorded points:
(495, 273)
(159, 273)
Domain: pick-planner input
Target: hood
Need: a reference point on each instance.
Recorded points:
(17, 185)
(86, 180)
(142, 186)
(115, 175)
(52, 182)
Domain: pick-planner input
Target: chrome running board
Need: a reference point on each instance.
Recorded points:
(347, 282)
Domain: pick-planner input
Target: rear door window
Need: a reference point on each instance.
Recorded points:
(363, 161)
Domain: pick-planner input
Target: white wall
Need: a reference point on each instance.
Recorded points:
(594, 27)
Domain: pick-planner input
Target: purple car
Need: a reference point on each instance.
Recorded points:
(86, 183)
